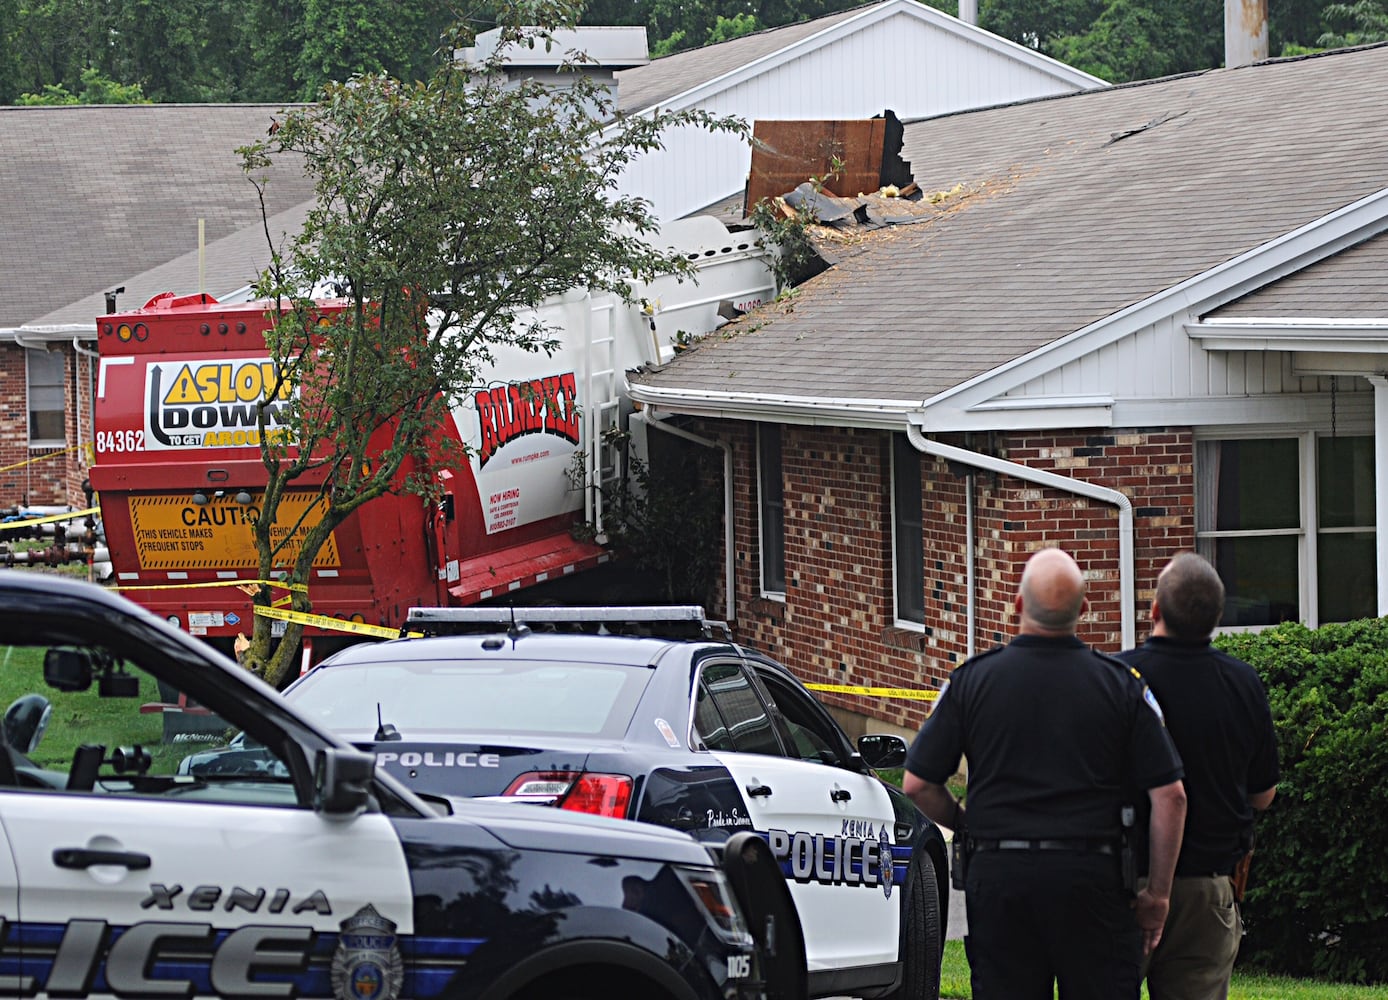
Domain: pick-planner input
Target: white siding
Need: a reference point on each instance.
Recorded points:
(1160, 362)
(899, 63)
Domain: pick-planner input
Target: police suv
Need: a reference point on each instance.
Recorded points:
(652, 714)
(310, 872)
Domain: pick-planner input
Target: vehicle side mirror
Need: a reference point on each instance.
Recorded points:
(67, 669)
(25, 721)
(342, 781)
(881, 750)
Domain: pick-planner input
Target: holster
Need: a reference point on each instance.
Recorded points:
(1127, 855)
(1239, 879)
(959, 858)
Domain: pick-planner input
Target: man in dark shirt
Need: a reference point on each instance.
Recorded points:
(1217, 712)
(1054, 732)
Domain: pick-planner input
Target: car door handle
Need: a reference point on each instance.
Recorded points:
(839, 795)
(756, 791)
(77, 857)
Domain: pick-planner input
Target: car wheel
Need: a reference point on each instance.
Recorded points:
(922, 945)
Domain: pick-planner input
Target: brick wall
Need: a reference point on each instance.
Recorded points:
(29, 476)
(837, 623)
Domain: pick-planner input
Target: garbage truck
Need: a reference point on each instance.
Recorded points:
(178, 472)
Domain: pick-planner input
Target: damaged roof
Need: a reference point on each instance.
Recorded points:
(1064, 212)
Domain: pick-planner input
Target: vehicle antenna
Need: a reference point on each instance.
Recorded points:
(384, 730)
(517, 629)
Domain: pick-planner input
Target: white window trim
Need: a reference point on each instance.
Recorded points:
(770, 595)
(1308, 561)
(43, 444)
(897, 621)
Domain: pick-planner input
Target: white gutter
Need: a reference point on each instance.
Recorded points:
(1042, 477)
(651, 419)
(49, 332)
(872, 414)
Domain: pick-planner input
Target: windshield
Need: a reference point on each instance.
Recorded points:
(458, 698)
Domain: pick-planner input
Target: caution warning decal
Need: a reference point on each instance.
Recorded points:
(173, 533)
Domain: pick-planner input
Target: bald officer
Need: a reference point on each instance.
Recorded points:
(1054, 732)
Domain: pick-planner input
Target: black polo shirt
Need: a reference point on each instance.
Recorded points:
(1218, 716)
(1053, 732)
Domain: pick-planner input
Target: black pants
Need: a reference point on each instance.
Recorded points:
(1041, 917)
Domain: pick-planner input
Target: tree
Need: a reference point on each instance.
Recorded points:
(96, 89)
(445, 212)
(341, 38)
(1037, 23)
(1356, 23)
(1132, 41)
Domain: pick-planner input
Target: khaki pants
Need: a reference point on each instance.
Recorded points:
(1199, 943)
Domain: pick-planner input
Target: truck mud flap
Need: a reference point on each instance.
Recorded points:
(761, 891)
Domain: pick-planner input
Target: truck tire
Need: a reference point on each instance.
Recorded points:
(922, 944)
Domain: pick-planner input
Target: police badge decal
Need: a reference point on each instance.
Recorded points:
(886, 861)
(367, 963)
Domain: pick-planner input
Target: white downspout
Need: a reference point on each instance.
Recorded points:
(1043, 477)
(1380, 385)
(729, 537)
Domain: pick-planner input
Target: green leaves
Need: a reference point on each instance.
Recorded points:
(1319, 898)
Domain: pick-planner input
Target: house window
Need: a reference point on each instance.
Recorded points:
(773, 510)
(1346, 554)
(47, 398)
(1255, 499)
(908, 544)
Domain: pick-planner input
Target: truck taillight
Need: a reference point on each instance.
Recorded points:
(578, 791)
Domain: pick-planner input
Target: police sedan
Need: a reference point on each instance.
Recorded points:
(311, 873)
(686, 730)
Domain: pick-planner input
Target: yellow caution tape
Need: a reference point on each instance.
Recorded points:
(49, 519)
(40, 458)
(248, 586)
(913, 694)
(337, 624)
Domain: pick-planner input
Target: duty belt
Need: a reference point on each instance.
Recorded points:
(1080, 846)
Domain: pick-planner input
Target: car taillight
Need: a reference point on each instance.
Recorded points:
(578, 791)
(599, 794)
(709, 887)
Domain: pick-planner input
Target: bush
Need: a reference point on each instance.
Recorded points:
(1318, 893)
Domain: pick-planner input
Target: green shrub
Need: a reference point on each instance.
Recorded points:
(1318, 893)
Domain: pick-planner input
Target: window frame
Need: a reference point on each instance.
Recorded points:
(30, 386)
(1309, 529)
(782, 692)
(770, 505)
(902, 523)
(696, 736)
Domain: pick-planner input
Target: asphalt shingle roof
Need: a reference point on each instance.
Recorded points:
(1071, 209)
(93, 194)
(1352, 284)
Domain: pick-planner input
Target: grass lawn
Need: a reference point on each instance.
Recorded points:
(954, 984)
(86, 717)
